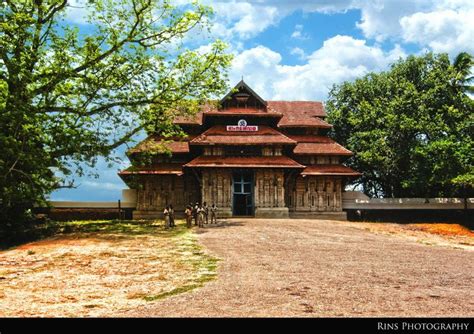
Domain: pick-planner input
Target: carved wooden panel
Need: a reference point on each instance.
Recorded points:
(315, 193)
(216, 187)
(269, 189)
(158, 191)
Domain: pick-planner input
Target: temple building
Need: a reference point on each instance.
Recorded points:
(250, 157)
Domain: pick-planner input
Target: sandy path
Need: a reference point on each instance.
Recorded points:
(323, 268)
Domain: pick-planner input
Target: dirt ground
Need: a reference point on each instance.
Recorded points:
(325, 268)
(100, 269)
(264, 268)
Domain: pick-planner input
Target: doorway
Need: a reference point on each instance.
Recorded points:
(242, 193)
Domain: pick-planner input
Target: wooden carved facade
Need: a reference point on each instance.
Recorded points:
(248, 156)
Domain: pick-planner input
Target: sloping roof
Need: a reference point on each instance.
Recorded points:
(164, 168)
(189, 120)
(311, 138)
(219, 135)
(249, 162)
(160, 144)
(315, 145)
(292, 113)
(337, 170)
(308, 108)
(253, 112)
(321, 148)
(241, 85)
(300, 113)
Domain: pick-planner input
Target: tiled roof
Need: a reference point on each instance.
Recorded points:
(253, 112)
(300, 113)
(249, 162)
(311, 138)
(189, 120)
(219, 135)
(160, 144)
(296, 120)
(339, 170)
(311, 144)
(310, 108)
(292, 113)
(165, 168)
(321, 148)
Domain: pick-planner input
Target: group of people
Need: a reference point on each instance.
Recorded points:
(201, 214)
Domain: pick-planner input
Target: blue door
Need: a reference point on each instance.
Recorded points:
(242, 193)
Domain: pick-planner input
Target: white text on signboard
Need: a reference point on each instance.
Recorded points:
(242, 126)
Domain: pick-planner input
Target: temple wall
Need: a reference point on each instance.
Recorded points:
(275, 197)
(269, 190)
(315, 194)
(216, 188)
(158, 191)
(270, 194)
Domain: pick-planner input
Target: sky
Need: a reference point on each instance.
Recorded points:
(298, 49)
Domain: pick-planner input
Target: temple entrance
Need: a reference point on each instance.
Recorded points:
(242, 193)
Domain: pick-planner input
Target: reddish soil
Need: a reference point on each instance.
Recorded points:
(325, 268)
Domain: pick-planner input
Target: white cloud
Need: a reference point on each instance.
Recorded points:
(298, 33)
(254, 65)
(440, 25)
(76, 12)
(443, 30)
(380, 19)
(94, 186)
(340, 58)
(243, 19)
(298, 52)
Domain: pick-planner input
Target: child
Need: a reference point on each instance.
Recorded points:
(200, 216)
(189, 216)
(213, 213)
(166, 214)
(195, 213)
(206, 213)
(171, 212)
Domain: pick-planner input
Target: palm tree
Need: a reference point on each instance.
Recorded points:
(463, 64)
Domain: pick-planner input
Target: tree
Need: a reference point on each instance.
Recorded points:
(411, 128)
(69, 95)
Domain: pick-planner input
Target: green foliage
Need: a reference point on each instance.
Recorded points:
(411, 128)
(67, 97)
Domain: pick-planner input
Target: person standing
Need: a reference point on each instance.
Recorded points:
(189, 216)
(195, 213)
(171, 211)
(200, 215)
(166, 214)
(213, 211)
(206, 213)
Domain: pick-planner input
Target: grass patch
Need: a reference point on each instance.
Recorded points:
(204, 265)
(109, 266)
(37, 231)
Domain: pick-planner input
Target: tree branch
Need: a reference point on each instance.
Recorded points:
(52, 11)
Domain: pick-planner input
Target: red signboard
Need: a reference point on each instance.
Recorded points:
(242, 128)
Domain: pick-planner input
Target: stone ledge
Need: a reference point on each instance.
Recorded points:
(224, 213)
(153, 214)
(272, 212)
(341, 215)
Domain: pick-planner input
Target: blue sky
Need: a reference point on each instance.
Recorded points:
(296, 50)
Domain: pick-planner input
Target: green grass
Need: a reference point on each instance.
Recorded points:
(204, 265)
(187, 252)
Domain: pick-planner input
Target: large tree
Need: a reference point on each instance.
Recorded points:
(411, 127)
(71, 93)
